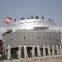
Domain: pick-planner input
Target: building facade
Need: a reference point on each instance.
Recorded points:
(32, 37)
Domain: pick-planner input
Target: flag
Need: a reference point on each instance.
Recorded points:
(8, 20)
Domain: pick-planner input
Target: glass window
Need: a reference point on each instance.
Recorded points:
(50, 38)
(44, 37)
(38, 37)
(24, 37)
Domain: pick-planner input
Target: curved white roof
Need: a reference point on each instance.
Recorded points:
(31, 23)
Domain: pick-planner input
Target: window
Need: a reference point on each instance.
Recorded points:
(11, 39)
(38, 37)
(24, 37)
(50, 38)
(41, 28)
(21, 23)
(44, 37)
(54, 38)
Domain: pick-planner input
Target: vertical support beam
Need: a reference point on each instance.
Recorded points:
(57, 49)
(60, 49)
(53, 52)
(49, 53)
(44, 52)
(38, 51)
(5, 50)
(25, 52)
(9, 52)
(33, 51)
(19, 52)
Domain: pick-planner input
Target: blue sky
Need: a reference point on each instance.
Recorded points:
(26, 8)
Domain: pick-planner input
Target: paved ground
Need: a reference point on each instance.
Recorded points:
(56, 58)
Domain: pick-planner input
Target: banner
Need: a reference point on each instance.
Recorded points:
(8, 20)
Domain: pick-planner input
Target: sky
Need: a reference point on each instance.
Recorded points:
(26, 8)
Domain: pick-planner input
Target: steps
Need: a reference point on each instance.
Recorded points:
(53, 58)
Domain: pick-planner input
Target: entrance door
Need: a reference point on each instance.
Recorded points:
(14, 53)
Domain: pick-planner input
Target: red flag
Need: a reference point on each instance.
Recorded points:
(8, 20)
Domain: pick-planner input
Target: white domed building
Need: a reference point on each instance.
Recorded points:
(35, 37)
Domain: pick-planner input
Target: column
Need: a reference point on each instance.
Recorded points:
(53, 52)
(57, 49)
(60, 49)
(44, 52)
(49, 53)
(33, 51)
(38, 51)
(25, 52)
(5, 51)
(19, 52)
(9, 52)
